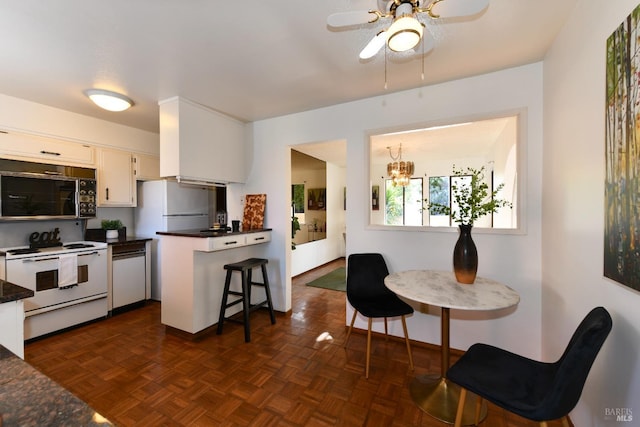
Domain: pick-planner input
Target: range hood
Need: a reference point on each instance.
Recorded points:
(195, 181)
(199, 145)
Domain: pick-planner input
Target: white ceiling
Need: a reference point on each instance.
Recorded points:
(251, 59)
(457, 141)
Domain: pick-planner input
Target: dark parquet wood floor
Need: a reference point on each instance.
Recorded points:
(294, 373)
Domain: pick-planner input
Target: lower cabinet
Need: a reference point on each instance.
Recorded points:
(193, 276)
(12, 331)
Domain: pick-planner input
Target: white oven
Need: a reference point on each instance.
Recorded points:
(69, 284)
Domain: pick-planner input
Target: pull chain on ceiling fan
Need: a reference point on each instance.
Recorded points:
(406, 29)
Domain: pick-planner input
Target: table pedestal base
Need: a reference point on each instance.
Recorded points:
(439, 397)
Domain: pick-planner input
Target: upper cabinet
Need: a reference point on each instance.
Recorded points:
(116, 183)
(200, 144)
(19, 146)
(146, 167)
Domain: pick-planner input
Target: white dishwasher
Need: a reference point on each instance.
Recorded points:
(129, 274)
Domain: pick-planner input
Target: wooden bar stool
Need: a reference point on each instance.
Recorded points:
(245, 268)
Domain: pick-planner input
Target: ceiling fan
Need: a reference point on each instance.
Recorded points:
(406, 18)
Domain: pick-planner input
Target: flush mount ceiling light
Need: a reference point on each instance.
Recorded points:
(108, 100)
(408, 17)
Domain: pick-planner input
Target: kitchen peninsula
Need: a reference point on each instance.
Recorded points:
(12, 316)
(192, 274)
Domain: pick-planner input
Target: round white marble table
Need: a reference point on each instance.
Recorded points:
(434, 394)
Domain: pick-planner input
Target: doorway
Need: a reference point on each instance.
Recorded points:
(324, 219)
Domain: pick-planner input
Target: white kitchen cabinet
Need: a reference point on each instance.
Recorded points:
(146, 167)
(12, 331)
(116, 183)
(200, 144)
(236, 240)
(257, 238)
(227, 242)
(19, 146)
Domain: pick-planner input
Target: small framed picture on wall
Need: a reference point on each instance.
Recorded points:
(317, 199)
(344, 198)
(375, 197)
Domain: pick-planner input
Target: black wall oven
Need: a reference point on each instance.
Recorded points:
(44, 191)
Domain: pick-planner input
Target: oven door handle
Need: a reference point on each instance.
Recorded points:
(56, 257)
(40, 259)
(89, 253)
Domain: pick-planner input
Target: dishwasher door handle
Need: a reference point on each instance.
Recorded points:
(126, 255)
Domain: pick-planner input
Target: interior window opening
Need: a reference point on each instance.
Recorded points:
(430, 155)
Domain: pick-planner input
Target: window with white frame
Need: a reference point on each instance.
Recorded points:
(403, 204)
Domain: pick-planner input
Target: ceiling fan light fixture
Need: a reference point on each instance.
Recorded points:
(108, 100)
(404, 34)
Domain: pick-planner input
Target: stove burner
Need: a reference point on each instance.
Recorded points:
(78, 245)
(23, 251)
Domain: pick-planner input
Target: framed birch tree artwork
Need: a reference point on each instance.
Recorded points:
(622, 154)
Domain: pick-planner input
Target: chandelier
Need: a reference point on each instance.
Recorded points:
(399, 170)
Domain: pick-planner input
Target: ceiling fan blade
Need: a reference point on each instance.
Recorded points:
(428, 43)
(384, 5)
(344, 19)
(374, 45)
(457, 8)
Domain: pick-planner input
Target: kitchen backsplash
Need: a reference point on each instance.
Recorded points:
(123, 214)
(16, 233)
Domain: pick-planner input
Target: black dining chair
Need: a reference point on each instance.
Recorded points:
(535, 390)
(369, 296)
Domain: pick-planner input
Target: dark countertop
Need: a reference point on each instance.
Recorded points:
(10, 292)
(30, 398)
(99, 235)
(127, 240)
(209, 233)
(120, 240)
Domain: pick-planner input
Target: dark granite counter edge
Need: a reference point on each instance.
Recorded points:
(99, 235)
(122, 240)
(127, 240)
(30, 398)
(209, 233)
(12, 292)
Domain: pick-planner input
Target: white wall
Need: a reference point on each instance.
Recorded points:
(511, 258)
(26, 116)
(573, 214)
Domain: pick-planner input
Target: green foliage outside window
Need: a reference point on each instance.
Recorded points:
(471, 196)
(297, 198)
